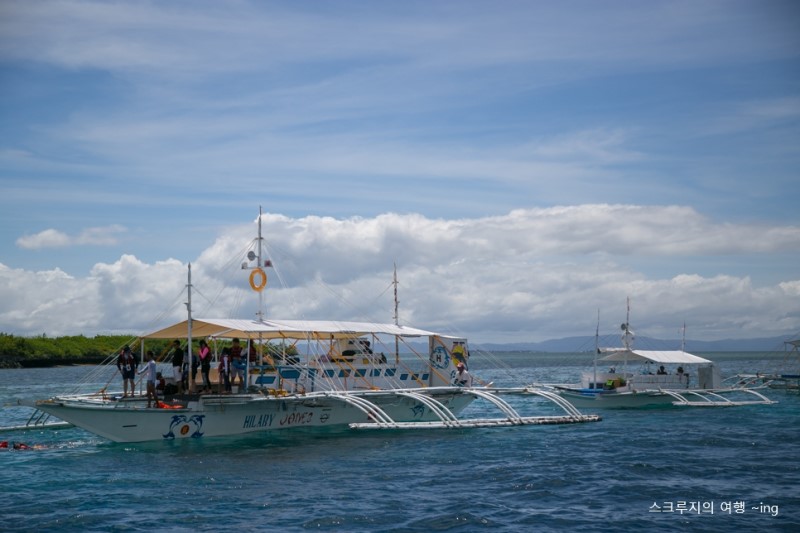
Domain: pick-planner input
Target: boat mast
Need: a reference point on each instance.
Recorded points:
(627, 335)
(683, 337)
(189, 332)
(596, 349)
(260, 313)
(626, 327)
(396, 317)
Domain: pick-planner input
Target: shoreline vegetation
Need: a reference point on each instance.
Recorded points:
(43, 351)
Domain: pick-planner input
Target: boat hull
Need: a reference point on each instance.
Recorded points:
(617, 400)
(227, 415)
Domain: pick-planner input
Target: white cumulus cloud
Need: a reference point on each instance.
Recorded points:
(53, 238)
(527, 275)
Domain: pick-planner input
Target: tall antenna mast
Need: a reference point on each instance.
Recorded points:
(260, 313)
(396, 302)
(627, 334)
(258, 278)
(683, 337)
(396, 316)
(596, 348)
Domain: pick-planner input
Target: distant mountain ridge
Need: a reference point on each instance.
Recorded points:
(586, 343)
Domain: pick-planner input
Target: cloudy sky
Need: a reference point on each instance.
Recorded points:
(525, 164)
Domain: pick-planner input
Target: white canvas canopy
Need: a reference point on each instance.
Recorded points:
(661, 357)
(283, 329)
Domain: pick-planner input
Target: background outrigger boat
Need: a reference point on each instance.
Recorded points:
(686, 380)
(690, 381)
(345, 374)
(786, 378)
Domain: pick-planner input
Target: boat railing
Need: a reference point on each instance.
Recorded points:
(615, 380)
(664, 381)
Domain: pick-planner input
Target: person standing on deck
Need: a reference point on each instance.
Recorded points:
(463, 378)
(150, 368)
(204, 354)
(237, 363)
(126, 363)
(225, 370)
(177, 363)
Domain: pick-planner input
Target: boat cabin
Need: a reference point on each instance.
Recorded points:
(631, 370)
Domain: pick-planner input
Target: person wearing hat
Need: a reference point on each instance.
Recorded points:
(463, 379)
(126, 363)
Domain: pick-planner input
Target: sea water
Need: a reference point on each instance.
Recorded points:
(697, 469)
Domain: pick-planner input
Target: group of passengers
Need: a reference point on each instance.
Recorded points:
(661, 371)
(231, 370)
(231, 366)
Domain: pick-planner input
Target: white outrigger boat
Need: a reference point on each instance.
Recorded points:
(340, 374)
(664, 378)
(786, 379)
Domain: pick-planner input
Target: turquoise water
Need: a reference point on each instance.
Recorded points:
(603, 476)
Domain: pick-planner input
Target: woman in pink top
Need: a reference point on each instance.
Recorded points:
(205, 364)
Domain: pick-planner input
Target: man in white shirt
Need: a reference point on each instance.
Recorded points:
(150, 368)
(463, 379)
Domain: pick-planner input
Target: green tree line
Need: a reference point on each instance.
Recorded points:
(42, 350)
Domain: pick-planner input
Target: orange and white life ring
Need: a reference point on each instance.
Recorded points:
(262, 281)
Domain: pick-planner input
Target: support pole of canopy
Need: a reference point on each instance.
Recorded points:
(247, 364)
(141, 358)
(189, 333)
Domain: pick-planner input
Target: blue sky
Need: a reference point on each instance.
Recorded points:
(600, 150)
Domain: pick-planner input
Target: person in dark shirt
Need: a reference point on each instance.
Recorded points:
(225, 370)
(126, 363)
(177, 363)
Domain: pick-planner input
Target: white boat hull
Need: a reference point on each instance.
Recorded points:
(663, 398)
(214, 416)
(617, 400)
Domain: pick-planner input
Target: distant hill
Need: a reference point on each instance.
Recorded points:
(586, 343)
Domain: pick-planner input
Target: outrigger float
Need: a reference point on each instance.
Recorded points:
(305, 373)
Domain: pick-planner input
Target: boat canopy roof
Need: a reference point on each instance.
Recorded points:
(284, 329)
(660, 356)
